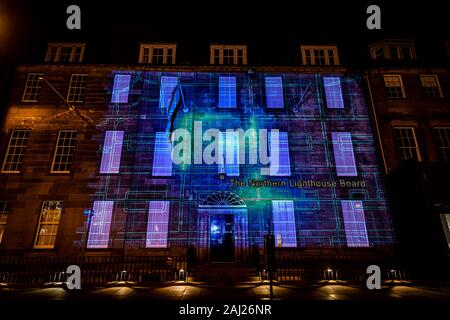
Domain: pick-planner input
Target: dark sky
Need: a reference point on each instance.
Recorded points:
(272, 29)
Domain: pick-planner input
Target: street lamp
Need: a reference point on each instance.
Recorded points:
(89, 213)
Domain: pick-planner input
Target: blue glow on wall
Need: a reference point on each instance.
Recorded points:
(229, 153)
(274, 92)
(100, 225)
(227, 92)
(157, 224)
(355, 223)
(162, 160)
(121, 88)
(112, 152)
(280, 146)
(343, 154)
(168, 85)
(333, 92)
(284, 223)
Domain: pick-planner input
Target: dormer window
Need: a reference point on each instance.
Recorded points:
(65, 52)
(393, 50)
(319, 55)
(157, 53)
(228, 55)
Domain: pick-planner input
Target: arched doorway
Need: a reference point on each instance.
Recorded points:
(222, 227)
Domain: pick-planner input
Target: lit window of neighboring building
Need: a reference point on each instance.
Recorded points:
(406, 142)
(354, 223)
(121, 88)
(333, 92)
(4, 210)
(394, 86)
(430, 85)
(65, 52)
(157, 224)
(343, 154)
(284, 223)
(229, 153)
(111, 152)
(157, 54)
(15, 152)
(445, 219)
(227, 92)
(274, 92)
(442, 142)
(280, 164)
(98, 237)
(48, 224)
(166, 90)
(32, 87)
(77, 88)
(65, 148)
(162, 156)
(228, 54)
(320, 55)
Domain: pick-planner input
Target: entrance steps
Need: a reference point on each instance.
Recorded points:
(223, 274)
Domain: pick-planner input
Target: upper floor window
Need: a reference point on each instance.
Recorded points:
(392, 50)
(16, 150)
(65, 147)
(65, 52)
(274, 92)
(320, 55)
(112, 152)
(333, 92)
(431, 86)
(343, 154)
(4, 210)
(406, 142)
(228, 54)
(445, 219)
(77, 88)
(227, 92)
(394, 86)
(32, 87)
(121, 88)
(442, 142)
(157, 53)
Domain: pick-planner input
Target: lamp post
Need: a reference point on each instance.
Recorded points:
(89, 213)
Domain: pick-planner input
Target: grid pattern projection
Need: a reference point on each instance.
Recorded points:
(157, 224)
(431, 86)
(162, 156)
(112, 152)
(354, 223)
(167, 87)
(442, 141)
(333, 92)
(48, 224)
(3, 217)
(121, 88)
(343, 154)
(228, 161)
(64, 151)
(284, 223)
(100, 225)
(406, 142)
(394, 86)
(274, 92)
(32, 87)
(16, 150)
(227, 92)
(280, 164)
(77, 88)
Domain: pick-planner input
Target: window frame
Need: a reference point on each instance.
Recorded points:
(439, 89)
(55, 57)
(387, 90)
(239, 53)
(416, 143)
(325, 50)
(152, 48)
(40, 223)
(37, 87)
(442, 155)
(82, 89)
(69, 155)
(21, 155)
(4, 212)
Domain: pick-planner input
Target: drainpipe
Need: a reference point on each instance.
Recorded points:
(377, 127)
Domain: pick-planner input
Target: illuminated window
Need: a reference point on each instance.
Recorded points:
(229, 153)
(166, 91)
(227, 92)
(65, 147)
(442, 141)
(121, 88)
(15, 152)
(4, 210)
(100, 225)
(162, 159)
(77, 88)
(284, 223)
(406, 142)
(280, 164)
(32, 87)
(394, 86)
(157, 53)
(343, 154)
(158, 224)
(445, 218)
(228, 54)
(48, 224)
(431, 86)
(274, 92)
(319, 55)
(354, 223)
(333, 92)
(65, 52)
(112, 152)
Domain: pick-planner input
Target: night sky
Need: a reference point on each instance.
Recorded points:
(272, 30)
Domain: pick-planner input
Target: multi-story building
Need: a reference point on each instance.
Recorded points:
(206, 159)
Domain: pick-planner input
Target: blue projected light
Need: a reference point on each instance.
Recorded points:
(274, 92)
(227, 92)
(112, 152)
(100, 224)
(333, 92)
(284, 223)
(282, 165)
(355, 223)
(229, 152)
(157, 224)
(168, 84)
(162, 156)
(343, 154)
(121, 88)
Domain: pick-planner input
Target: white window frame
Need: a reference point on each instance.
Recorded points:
(325, 49)
(154, 46)
(67, 151)
(445, 219)
(4, 210)
(442, 144)
(12, 149)
(41, 223)
(76, 92)
(438, 84)
(59, 46)
(31, 84)
(413, 129)
(399, 77)
(397, 45)
(234, 48)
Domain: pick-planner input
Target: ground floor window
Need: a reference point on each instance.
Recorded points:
(158, 223)
(48, 224)
(446, 224)
(3, 217)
